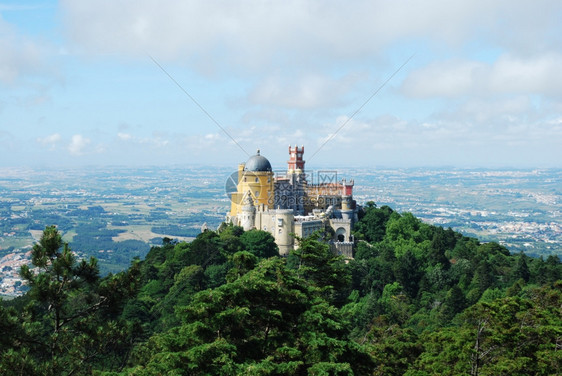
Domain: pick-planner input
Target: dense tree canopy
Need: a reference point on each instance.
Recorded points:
(260, 243)
(71, 320)
(416, 300)
(267, 321)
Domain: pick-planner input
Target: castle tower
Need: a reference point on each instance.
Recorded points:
(295, 161)
(255, 177)
(284, 219)
(347, 188)
(293, 192)
(347, 208)
(247, 217)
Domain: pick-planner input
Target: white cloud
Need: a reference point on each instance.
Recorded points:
(256, 33)
(537, 74)
(78, 145)
(493, 112)
(286, 69)
(156, 141)
(211, 136)
(19, 55)
(508, 132)
(443, 79)
(124, 136)
(541, 74)
(308, 92)
(50, 141)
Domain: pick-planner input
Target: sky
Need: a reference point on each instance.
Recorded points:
(362, 83)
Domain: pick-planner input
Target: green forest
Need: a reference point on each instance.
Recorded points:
(416, 300)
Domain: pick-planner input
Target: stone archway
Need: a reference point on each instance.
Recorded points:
(341, 234)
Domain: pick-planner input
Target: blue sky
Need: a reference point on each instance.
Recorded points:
(483, 89)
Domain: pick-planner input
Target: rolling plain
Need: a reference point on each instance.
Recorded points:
(115, 213)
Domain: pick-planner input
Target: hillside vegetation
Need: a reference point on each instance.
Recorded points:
(416, 300)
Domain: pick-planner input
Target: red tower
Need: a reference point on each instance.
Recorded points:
(295, 158)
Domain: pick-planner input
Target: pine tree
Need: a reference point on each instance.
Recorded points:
(74, 311)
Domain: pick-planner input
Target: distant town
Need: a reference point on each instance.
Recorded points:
(520, 209)
(116, 214)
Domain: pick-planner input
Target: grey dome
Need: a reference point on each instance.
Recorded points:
(257, 163)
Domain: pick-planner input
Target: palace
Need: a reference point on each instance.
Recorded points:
(291, 202)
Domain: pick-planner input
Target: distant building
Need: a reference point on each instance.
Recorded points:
(291, 203)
